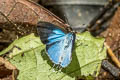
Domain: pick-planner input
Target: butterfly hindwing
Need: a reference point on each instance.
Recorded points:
(60, 52)
(59, 44)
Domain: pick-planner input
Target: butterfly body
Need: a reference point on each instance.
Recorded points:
(59, 43)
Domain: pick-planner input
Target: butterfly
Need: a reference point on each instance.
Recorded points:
(59, 42)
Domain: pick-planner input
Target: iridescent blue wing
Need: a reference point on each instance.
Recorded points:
(49, 33)
(58, 43)
(60, 52)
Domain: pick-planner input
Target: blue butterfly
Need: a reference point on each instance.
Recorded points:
(59, 43)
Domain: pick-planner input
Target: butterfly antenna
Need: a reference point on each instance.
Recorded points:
(67, 23)
(66, 20)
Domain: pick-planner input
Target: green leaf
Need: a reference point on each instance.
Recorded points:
(29, 56)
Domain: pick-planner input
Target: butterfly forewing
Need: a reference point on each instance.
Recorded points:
(49, 33)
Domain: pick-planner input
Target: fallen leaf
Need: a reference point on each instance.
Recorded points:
(29, 56)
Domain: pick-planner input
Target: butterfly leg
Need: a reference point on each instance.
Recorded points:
(52, 66)
(60, 69)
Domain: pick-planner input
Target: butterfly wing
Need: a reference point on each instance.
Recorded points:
(49, 33)
(58, 43)
(60, 52)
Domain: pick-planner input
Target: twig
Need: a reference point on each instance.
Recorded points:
(105, 17)
(113, 57)
(111, 68)
(104, 10)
